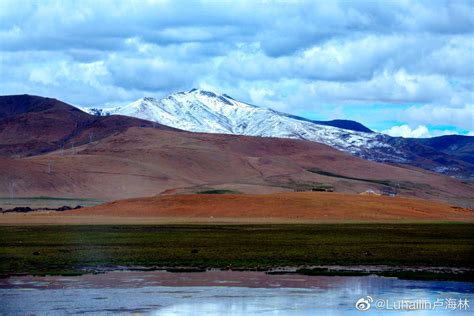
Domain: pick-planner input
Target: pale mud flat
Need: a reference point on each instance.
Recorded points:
(217, 293)
(53, 218)
(56, 218)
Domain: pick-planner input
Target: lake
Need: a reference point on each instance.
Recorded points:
(230, 293)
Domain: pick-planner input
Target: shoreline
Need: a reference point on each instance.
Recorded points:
(421, 273)
(454, 274)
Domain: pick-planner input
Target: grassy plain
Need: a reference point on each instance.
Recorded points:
(75, 249)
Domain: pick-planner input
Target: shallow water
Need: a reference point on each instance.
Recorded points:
(228, 293)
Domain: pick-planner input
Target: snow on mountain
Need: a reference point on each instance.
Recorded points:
(204, 111)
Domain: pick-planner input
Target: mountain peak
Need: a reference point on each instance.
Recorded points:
(207, 93)
(196, 91)
(148, 99)
(200, 90)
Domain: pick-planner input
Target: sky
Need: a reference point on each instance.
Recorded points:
(405, 68)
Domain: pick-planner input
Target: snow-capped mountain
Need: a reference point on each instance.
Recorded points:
(204, 111)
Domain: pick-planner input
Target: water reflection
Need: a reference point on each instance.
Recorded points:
(217, 293)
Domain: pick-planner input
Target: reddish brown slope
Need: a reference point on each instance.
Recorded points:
(295, 206)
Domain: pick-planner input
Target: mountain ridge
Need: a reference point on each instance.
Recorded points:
(208, 112)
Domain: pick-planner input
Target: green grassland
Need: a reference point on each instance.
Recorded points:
(407, 185)
(218, 191)
(45, 201)
(75, 249)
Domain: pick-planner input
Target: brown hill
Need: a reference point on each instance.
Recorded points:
(301, 205)
(265, 208)
(31, 125)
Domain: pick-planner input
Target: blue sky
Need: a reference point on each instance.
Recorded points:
(402, 67)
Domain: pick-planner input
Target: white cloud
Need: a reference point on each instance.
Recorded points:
(42, 75)
(406, 131)
(462, 116)
(299, 56)
(421, 131)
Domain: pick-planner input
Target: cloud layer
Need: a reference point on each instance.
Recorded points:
(387, 64)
